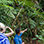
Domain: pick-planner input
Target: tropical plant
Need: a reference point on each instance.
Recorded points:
(24, 14)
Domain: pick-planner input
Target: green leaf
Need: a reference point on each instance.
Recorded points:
(29, 3)
(34, 39)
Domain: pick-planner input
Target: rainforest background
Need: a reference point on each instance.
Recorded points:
(24, 14)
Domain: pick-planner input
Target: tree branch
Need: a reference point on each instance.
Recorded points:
(16, 18)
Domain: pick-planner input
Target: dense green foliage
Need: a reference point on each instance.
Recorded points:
(24, 14)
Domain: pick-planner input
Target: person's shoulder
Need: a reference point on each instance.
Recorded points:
(21, 34)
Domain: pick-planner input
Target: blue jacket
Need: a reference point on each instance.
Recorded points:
(18, 39)
(3, 39)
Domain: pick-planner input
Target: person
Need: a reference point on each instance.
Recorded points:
(4, 36)
(17, 38)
